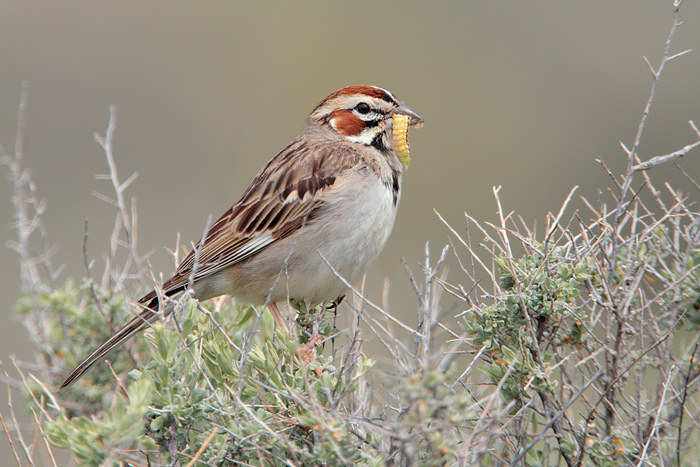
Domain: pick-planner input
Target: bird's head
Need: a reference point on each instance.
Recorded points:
(361, 114)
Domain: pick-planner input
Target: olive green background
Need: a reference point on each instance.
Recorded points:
(524, 95)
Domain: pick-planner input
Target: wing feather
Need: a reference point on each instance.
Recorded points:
(281, 198)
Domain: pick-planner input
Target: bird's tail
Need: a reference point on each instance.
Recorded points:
(150, 305)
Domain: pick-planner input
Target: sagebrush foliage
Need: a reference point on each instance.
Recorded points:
(195, 389)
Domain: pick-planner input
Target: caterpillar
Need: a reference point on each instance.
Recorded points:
(400, 135)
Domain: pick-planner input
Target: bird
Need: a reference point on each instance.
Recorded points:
(320, 210)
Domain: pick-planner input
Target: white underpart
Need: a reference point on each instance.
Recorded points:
(358, 216)
(350, 241)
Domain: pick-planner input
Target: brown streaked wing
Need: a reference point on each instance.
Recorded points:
(281, 198)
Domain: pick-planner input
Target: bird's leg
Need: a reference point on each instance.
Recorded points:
(334, 306)
(277, 316)
(305, 353)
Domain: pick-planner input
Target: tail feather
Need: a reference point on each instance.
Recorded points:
(138, 323)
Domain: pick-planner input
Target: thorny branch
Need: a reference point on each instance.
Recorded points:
(126, 220)
(29, 209)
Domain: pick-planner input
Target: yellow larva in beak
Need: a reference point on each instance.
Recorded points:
(400, 134)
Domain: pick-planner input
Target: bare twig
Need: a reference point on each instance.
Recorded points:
(658, 160)
(126, 218)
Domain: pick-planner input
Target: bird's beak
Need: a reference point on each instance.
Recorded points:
(404, 110)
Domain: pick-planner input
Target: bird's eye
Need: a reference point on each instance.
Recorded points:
(363, 108)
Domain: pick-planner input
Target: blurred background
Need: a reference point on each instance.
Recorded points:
(520, 95)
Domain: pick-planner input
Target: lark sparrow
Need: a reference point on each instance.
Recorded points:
(323, 207)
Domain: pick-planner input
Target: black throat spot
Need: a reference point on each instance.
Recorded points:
(378, 142)
(395, 185)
